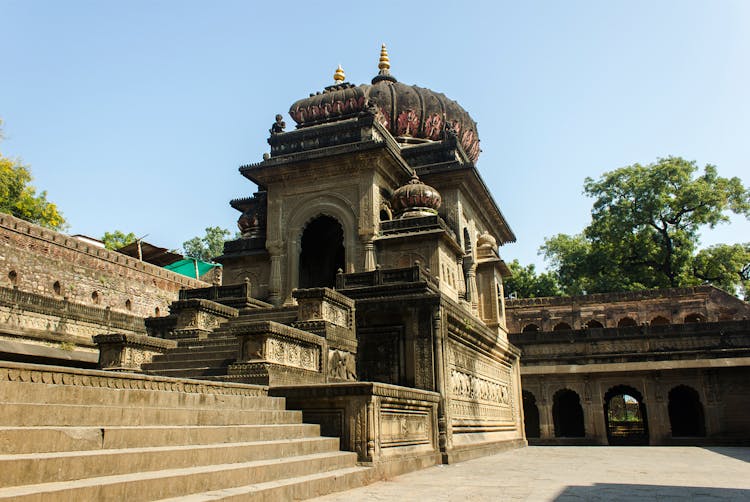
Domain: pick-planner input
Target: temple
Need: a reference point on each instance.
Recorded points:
(360, 330)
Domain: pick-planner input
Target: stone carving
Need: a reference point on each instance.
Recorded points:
(400, 428)
(278, 126)
(342, 365)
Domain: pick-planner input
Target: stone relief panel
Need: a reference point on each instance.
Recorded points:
(481, 389)
(399, 427)
(381, 354)
(342, 365)
(292, 354)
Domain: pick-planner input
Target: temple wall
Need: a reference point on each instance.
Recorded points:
(34, 259)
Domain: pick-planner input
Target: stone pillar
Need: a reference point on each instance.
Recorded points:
(369, 261)
(473, 293)
(444, 442)
(546, 423)
(274, 283)
(295, 248)
(659, 428)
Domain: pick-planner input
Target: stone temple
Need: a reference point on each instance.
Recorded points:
(361, 331)
(366, 291)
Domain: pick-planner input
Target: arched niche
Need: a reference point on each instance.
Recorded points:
(530, 328)
(561, 326)
(567, 414)
(626, 322)
(530, 415)
(305, 212)
(594, 324)
(686, 412)
(659, 321)
(321, 253)
(625, 416)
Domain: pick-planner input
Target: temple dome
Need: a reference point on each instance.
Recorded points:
(415, 199)
(408, 112)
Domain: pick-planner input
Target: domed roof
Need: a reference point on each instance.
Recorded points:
(406, 111)
(415, 199)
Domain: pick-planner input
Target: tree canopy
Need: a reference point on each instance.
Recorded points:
(527, 283)
(19, 198)
(209, 246)
(117, 239)
(644, 231)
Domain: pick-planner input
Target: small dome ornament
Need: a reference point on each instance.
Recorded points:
(486, 240)
(384, 67)
(415, 199)
(339, 76)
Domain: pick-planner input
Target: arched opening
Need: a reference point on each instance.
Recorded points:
(57, 288)
(385, 215)
(128, 304)
(694, 318)
(686, 412)
(95, 297)
(561, 326)
(13, 278)
(530, 328)
(322, 253)
(625, 414)
(157, 312)
(594, 324)
(625, 322)
(530, 415)
(567, 414)
(659, 321)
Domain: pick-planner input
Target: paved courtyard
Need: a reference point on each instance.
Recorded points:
(576, 473)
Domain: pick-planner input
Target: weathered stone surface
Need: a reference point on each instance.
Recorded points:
(127, 352)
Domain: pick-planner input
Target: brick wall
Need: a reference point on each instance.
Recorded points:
(38, 260)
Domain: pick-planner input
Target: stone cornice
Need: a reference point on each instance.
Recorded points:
(356, 389)
(139, 341)
(278, 330)
(646, 294)
(58, 375)
(325, 294)
(204, 305)
(65, 309)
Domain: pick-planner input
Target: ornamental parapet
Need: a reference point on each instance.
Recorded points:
(128, 352)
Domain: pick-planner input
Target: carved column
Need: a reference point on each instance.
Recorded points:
(473, 293)
(440, 384)
(369, 247)
(274, 283)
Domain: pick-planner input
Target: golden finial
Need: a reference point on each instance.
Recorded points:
(385, 63)
(339, 76)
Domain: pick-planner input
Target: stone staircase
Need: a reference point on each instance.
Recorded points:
(71, 434)
(209, 358)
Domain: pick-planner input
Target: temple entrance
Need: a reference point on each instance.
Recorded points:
(530, 415)
(686, 413)
(568, 415)
(625, 414)
(322, 253)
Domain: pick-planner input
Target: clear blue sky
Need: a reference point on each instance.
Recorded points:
(136, 115)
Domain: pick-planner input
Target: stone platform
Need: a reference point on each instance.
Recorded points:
(568, 473)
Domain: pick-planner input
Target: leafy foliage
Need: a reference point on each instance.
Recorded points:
(19, 198)
(645, 229)
(207, 247)
(117, 239)
(726, 266)
(527, 283)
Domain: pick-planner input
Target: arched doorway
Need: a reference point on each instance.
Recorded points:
(686, 412)
(530, 328)
(567, 414)
(625, 414)
(594, 324)
(626, 322)
(322, 253)
(530, 415)
(561, 326)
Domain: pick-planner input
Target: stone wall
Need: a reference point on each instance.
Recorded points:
(610, 310)
(38, 260)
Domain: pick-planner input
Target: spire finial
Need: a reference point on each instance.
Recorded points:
(339, 75)
(385, 63)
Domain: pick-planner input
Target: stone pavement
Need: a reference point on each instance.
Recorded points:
(575, 473)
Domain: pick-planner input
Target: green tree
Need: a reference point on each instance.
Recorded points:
(527, 283)
(207, 247)
(726, 266)
(645, 227)
(117, 239)
(19, 198)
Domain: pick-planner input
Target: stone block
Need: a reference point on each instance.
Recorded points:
(127, 352)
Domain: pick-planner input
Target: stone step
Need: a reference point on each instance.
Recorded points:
(218, 340)
(187, 355)
(154, 485)
(34, 468)
(48, 439)
(198, 372)
(32, 415)
(297, 488)
(25, 392)
(189, 363)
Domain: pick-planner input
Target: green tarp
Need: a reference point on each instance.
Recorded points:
(187, 267)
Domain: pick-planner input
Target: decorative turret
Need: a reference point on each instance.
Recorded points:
(415, 199)
(339, 76)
